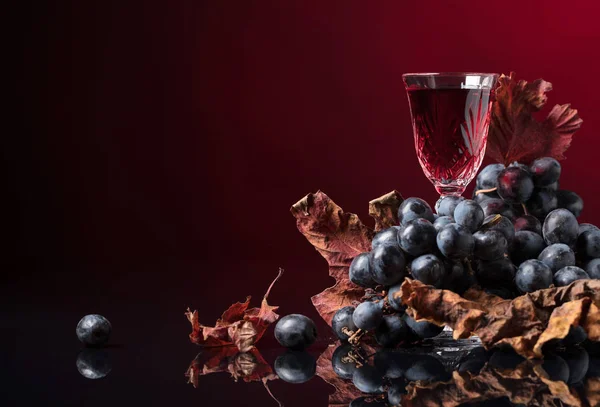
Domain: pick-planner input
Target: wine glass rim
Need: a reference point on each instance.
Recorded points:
(449, 74)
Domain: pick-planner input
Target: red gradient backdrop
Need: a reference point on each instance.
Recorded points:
(160, 145)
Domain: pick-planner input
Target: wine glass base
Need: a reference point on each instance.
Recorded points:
(450, 190)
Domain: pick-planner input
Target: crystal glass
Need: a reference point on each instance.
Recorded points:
(450, 116)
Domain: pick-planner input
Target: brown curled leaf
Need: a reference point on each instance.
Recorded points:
(237, 326)
(385, 210)
(525, 323)
(515, 135)
(338, 236)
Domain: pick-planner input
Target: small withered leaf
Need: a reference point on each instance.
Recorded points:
(385, 210)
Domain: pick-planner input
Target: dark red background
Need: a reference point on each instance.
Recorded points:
(158, 147)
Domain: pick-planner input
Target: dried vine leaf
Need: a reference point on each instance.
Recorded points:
(338, 236)
(237, 326)
(248, 366)
(525, 323)
(515, 135)
(385, 210)
(527, 384)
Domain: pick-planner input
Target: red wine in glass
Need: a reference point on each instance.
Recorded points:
(451, 116)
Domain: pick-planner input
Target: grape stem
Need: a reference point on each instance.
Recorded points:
(524, 208)
(354, 358)
(483, 191)
(355, 338)
(265, 383)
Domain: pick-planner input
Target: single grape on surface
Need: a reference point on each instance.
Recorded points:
(515, 185)
(343, 319)
(557, 256)
(526, 245)
(296, 366)
(545, 171)
(388, 265)
(455, 241)
(533, 275)
(295, 331)
(367, 316)
(414, 208)
(570, 200)
(469, 214)
(560, 226)
(418, 237)
(360, 271)
(93, 330)
(568, 274)
(429, 270)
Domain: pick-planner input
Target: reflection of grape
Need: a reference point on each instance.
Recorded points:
(368, 379)
(295, 366)
(427, 368)
(556, 367)
(93, 363)
(395, 391)
(578, 361)
(391, 331)
(343, 361)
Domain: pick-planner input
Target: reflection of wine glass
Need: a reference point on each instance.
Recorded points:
(450, 116)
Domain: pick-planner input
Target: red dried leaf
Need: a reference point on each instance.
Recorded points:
(237, 326)
(515, 135)
(385, 210)
(339, 237)
(249, 366)
(525, 323)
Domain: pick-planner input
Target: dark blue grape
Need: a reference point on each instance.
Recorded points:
(429, 270)
(502, 292)
(418, 237)
(505, 359)
(557, 256)
(391, 331)
(360, 271)
(560, 226)
(474, 361)
(570, 201)
(394, 298)
(528, 222)
(295, 331)
(553, 187)
(455, 241)
(592, 268)
(567, 275)
(342, 361)
(489, 244)
(541, 203)
(93, 330)
(343, 319)
(445, 205)
(368, 379)
(501, 224)
(524, 167)
(456, 278)
(367, 316)
(515, 185)
(583, 227)
(395, 392)
(488, 177)
(469, 214)
(414, 208)
(495, 273)
(388, 265)
(386, 237)
(441, 222)
(526, 245)
(426, 368)
(576, 336)
(533, 275)
(93, 363)
(588, 244)
(545, 171)
(392, 363)
(296, 366)
(556, 367)
(480, 197)
(422, 329)
(593, 367)
(496, 206)
(578, 360)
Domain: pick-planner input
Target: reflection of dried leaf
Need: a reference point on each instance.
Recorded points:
(526, 385)
(525, 323)
(515, 135)
(345, 391)
(338, 236)
(592, 391)
(249, 366)
(385, 210)
(237, 326)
